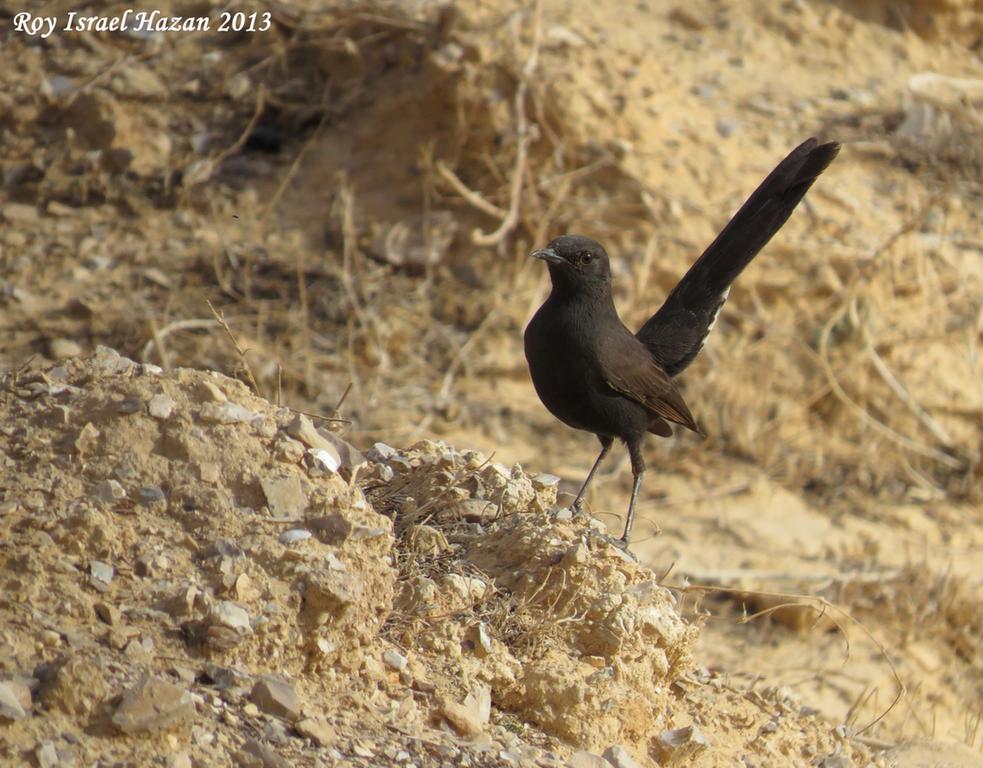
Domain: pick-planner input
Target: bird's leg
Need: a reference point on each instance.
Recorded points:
(606, 443)
(637, 470)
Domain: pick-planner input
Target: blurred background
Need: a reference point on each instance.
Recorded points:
(356, 191)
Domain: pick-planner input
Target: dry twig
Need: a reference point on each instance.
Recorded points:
(220, 318)
(523, 136)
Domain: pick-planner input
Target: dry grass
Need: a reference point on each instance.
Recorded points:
(921, 603)
(899, 619)
(920, 607)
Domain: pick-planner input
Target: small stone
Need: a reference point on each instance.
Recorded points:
(395, 660)
(578, 554)
(130, 405)
(11, 706)
(86, 439)
(264, 427)
(137, 650)
(560, 36)
(107, 613)
(363, 749)
(139, 82)
(726, 127)
(21, 688)
(110, 361)
(232, 615)
(110, 491)
(469, 588)
(208, 392)
(61, 349)
(679, 744)
(363, 532)
(226, 413)
(276, 696)
(245, 589)
(55, 88)
(478, 701)
(255, 754)
(542, 481)
(317, 730)
(179, 760)
(331, 592)
(351, 459)
(285, 496)
(324, 460)
(73, 685)
(584, 759)
(380, 453)
(302, 429)
(161, 406)
(706, 91)
(239, 86)
(153, 704)
(150, 494)
(476, 510)
(289, 450)
(209, 471)
(147, 566)
(842, 761)
(19, 212)
(184, 674)
(294, 536)
(46, 755)
(618, 756)
(461, 718)
(483, 639)
(686, 18)
(331, 529)
(101, 571)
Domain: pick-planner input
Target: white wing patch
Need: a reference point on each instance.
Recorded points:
(713, 317)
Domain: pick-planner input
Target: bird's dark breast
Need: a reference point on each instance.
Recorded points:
(565, 376)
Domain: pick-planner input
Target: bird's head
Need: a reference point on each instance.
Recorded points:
(576, 263)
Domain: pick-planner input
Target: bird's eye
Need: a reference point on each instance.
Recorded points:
(586, 257)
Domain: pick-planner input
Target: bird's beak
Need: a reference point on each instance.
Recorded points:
(548, 254)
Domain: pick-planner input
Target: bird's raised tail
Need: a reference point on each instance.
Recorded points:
(675, 334)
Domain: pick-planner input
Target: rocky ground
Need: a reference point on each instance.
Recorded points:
(200, 568)
(190, 571)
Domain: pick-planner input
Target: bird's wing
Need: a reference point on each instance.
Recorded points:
(675, 334)
(628, 368)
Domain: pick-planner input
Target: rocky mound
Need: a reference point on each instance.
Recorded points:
(193, 573)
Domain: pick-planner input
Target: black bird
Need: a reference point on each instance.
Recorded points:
(593, 374)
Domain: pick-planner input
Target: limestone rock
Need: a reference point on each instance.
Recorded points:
(73, 685)
(11, 702)
(276, 696)
(317, 730)
(461, 718)
(152, 705)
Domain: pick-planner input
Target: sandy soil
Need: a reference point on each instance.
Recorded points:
(355, 192)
